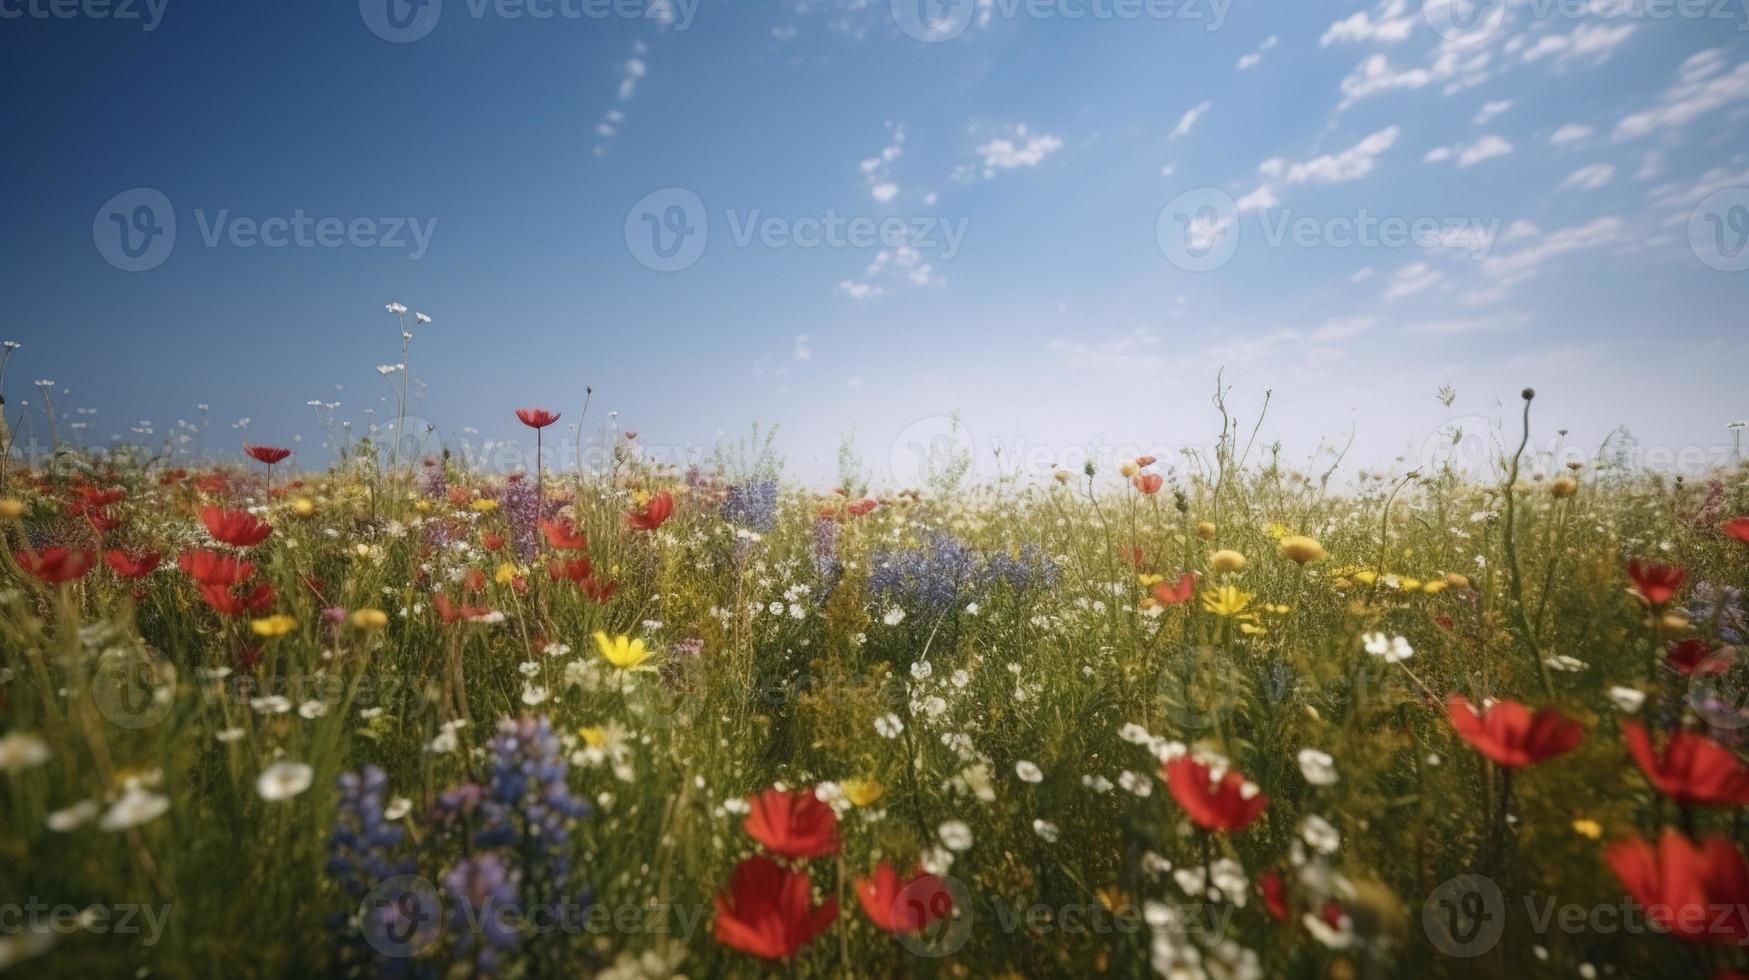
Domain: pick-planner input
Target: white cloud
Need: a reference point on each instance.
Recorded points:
(1186, 121)
(1362, 274)
(1570, 133)
(858, 290)
(1262, 197)
(1412, 279)
(1594, 41)
(1491, 109)
(804, 349)
(1459, 326)
(1249, 61)
(1470, 154)
(1699, 90)
(1393, 24)
(1344, 328)
(1517, 266)
(1353, 163)
(877, 170)
(1588, 178)
(1021, 149)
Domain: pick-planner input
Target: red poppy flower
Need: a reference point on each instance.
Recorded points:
(862, 506)
(266, 454)
(769, 912)
(1510, 734)
(1738, 527)
(131, 565)
(492, 542)
(576, 570)
(1274, 892)
(449, 613)
(1176, 593)
(227, 601)
(599, 591)
(903, 906)
(1148, 483)
(212, 483)
(536, 418)
(474, 580)
(794, 825)
(235, 527)
(1686, 656)
(1229, 804)
(1684, 888)
(100, 520)
(1143, 462)
(1691, 769)
(1133, 556)
(93, 497)
(1657, 583)
(56, 566)
(562, 534)
(212, 568)
(653, 514)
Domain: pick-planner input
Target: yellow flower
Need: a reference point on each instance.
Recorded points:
(1277, 530)
(11, 508)
(1456, 581)
(369, 619)
(1206, 530)
(1586, 827)
(505, 574)
(621, 651)
(1366, 576)
(1564, 486)
(422, 506)
(1252, 629)
(1128, 470)
(484, 505)
(595, 738)
(1226, 560)
(303, 507)
(272, 626)
(1226, 601)
(1409, 584)
(863, 792)
(1434, 586)
(1149, 581)
(1302, 549)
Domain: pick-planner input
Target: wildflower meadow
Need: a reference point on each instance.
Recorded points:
(393, 714)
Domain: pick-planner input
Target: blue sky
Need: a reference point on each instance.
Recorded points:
(1379, 199)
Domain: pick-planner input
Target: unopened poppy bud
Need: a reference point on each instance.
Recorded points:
(1564, 486)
